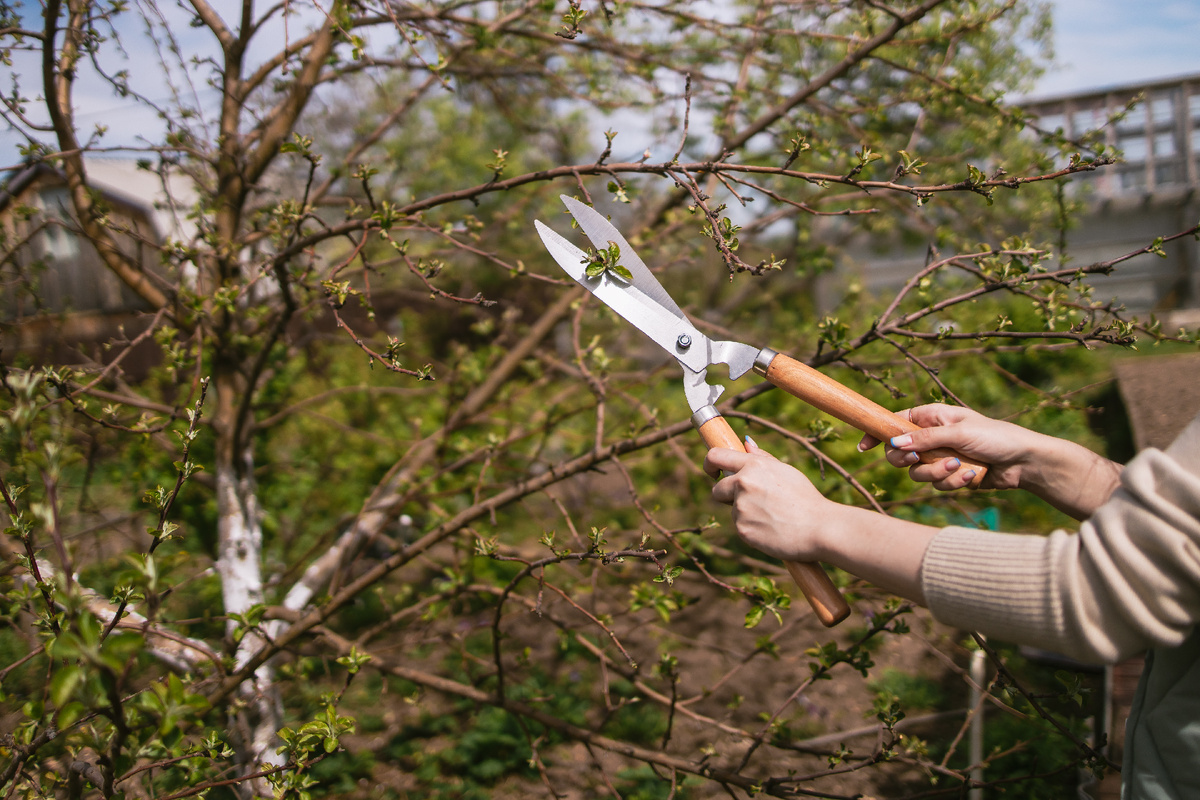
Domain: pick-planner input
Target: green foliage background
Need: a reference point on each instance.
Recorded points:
(553, 603)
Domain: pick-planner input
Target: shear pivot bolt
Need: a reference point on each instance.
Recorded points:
(684, 341)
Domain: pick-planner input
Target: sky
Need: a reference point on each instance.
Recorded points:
(1097, 44)
(1101, 43)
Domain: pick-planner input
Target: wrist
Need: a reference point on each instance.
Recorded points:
(1068, 476)
(883, 550)
(839, 532)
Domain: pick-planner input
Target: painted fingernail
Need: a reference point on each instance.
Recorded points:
(904, 440)
(750, 442)
(969, 475)
(911, 458)
(953, 464)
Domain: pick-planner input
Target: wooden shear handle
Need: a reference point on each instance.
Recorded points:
(829, 605)
(826, 394)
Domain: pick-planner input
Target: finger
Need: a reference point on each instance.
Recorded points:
(722, 459)
(867, 442)
(752, 448)
(901, 458)
(934, 415)
(939, 471)
(725, 490)
(955, 481)
(922, 439)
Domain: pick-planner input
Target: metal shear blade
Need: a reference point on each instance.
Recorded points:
(646, 305)
(600, 231)
(674, 334)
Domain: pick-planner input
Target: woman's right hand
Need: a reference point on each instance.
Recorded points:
(1005, 447)
(1068, 476)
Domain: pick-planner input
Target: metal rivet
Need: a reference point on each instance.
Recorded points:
(684, 341)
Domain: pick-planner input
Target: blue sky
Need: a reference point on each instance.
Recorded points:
(1101, 43)
(1097, 43)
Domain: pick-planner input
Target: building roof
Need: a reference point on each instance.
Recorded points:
(121, 179)
(1117, 88)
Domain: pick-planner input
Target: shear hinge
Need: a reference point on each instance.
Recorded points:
(763, 360)
(703, 415)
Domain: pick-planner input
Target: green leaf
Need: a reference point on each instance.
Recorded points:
(754, 616)
(669, 575)
(69, 714)
(64, 682)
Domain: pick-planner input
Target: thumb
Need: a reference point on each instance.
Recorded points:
(753, 449)
(923, 439)
(720, 459)
(868, 441)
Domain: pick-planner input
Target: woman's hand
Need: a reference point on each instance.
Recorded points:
(1071, 478)
(1005, 447)
(776, 509)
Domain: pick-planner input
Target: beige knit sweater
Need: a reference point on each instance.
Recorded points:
(1127, 582)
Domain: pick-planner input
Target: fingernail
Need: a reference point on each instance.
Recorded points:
(904, 440)
(969, 475)
(911, 458)
(750, 442)
(861, 447)
(953, 464)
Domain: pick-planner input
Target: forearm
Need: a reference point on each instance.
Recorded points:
(883, 550)
(1069, 477)
(1130, 579)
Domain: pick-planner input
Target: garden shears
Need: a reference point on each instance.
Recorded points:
(620, 279)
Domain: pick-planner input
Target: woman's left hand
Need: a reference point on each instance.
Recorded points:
(776, 509)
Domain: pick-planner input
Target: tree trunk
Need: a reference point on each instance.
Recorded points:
(239, 564)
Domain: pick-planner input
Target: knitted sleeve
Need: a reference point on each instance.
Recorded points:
(1128, 581)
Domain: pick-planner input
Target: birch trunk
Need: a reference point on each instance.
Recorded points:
(239, 564)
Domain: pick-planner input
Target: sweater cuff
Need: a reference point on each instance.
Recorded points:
(995, 583)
